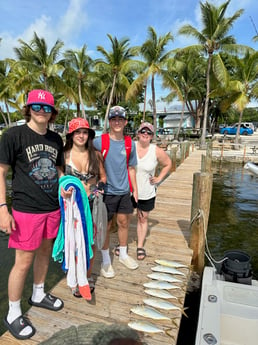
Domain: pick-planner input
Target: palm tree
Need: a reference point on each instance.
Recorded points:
(184, 77)
(8, 92)
(116, 67)
(155, 57)
(213, 38)
(43, 66)
(239, 88)
(78, 66)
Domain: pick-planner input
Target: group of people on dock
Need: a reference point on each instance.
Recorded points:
(55, 189)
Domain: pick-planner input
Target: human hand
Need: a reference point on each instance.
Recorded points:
(7, 223)
(66, 194)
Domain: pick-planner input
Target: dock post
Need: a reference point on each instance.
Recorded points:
(201, 198)
(172, 155)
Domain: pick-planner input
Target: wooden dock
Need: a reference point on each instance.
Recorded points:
(168, 238)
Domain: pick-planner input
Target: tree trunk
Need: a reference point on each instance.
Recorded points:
(181, 120)
(144, 104)
(238, 127)
(81, 101)
(109, 104)
(205, 115)
(154, 110)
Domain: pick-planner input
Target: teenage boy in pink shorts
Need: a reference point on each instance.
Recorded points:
(35, 155)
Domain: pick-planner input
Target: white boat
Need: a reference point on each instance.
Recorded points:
(228, 312)
(252, 168)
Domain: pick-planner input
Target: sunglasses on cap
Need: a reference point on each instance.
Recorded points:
(38, 107)
(145, 131)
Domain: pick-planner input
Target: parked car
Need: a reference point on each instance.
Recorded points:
(232, 130)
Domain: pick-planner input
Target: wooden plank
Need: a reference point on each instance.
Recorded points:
(167, 238)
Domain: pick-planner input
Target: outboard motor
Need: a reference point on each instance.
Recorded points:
(236, 267)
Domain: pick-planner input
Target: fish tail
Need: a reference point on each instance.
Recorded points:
(184, 313)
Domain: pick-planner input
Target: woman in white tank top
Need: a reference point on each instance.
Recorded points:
(148, 157)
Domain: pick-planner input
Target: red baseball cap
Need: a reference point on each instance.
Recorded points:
(41, 97)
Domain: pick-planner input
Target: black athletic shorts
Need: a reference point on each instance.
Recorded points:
(146, 205)
(118, 204)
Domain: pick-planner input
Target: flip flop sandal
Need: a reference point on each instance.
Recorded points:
(48, 302)
(117, 250)
(91, 284)
(76, 292)
(17, 326)
(141, 253)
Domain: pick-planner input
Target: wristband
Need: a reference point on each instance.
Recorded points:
(4, 204)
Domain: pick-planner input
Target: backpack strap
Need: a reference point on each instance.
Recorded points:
(105, 143)
(128, 148)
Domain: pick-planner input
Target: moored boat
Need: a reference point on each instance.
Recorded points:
(252, 168)
(228, 310)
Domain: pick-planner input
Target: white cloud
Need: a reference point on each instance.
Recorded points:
(66, 27)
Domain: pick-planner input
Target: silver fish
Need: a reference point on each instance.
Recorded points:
(149, 312)
(159, 293)
(164, 277)
(170, 263)
(156, 284)
(159, 303)
(166, 269)
(143, 326)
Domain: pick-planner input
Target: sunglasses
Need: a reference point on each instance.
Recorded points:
(146, 131)
(38, 107)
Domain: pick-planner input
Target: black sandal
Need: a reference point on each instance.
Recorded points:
(76, 292)
(117, 249)
(17, 326)
(91, 284)
(141, 253)
(48, 302)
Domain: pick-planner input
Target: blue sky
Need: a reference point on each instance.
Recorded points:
(78, 22)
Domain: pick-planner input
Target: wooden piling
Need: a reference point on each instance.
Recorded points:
(201, 198)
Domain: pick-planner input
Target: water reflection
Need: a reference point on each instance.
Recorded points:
(233, 222)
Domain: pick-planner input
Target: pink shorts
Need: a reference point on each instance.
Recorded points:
(32, 228)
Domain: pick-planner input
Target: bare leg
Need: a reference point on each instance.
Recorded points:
(142, 227)
(91, 261)
(123, 226)
(106, 244)
(41, 261)
(18, 274)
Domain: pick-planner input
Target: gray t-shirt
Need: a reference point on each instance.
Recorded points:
(116, 166)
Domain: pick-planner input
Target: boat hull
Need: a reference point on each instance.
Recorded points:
(228, 311)
(252, 168)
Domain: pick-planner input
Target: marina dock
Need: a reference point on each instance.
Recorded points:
(168, 238)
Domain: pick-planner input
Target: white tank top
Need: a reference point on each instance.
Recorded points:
(146, 167)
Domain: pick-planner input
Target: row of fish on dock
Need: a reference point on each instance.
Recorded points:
(166, 276)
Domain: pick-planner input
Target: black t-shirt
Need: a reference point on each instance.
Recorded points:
(33, 159)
